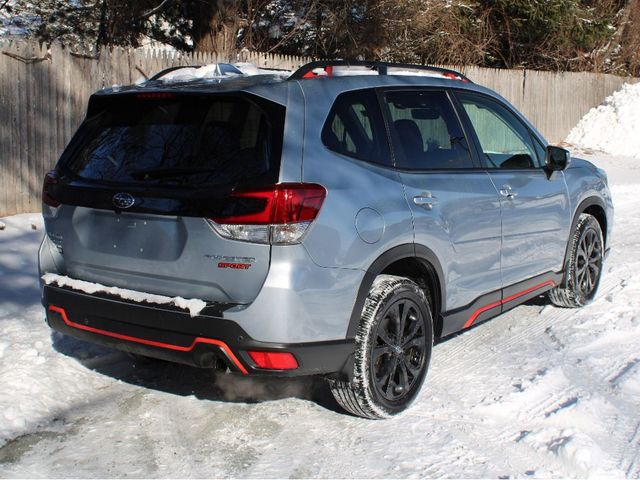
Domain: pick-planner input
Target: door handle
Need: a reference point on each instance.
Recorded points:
(425, 200)
(508, 193)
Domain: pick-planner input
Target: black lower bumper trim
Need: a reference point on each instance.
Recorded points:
(202, 341)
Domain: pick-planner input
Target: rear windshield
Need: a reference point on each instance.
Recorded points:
(185, 140)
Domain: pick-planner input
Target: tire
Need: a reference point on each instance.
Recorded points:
(584, 269)
(389, 369)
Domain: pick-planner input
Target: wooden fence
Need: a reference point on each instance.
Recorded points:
(44, 92)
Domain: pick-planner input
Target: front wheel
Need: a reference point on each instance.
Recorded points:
(584, 268)
(393, 350)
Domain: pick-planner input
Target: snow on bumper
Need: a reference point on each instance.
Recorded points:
(193, 306)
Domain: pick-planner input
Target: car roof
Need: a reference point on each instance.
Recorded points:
(328, 88)
(324, 89)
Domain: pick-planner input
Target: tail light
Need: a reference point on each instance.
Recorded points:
(280, 214)
(49, 203)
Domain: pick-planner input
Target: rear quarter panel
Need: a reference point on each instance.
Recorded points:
(365, 212)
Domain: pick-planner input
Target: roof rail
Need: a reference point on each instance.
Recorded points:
(162, 73)
(307, 70)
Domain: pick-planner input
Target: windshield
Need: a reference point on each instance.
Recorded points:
(187, 140)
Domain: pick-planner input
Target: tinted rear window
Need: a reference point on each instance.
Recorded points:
(184, 140)
(355, 127)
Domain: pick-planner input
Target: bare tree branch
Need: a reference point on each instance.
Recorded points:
(295, 28)
(155, 9)
(146, 77)
(28, 59)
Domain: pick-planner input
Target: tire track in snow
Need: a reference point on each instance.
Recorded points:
(631, 457)
(473, 354)
(475, 350)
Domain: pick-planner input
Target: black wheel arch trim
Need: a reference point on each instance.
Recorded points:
(400, 252)
(582, 206)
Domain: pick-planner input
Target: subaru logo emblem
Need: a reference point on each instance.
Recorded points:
(123, 200)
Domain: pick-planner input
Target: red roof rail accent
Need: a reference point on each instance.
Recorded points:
(306, 71)
(311, 74)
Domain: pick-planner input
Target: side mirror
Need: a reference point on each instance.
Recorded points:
(557, 158)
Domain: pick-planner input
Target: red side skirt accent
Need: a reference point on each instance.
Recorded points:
(475, 314)
(225, 348)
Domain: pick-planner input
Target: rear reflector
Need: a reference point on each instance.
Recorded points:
(274, 360)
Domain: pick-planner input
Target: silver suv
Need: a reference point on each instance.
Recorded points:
(331, 223)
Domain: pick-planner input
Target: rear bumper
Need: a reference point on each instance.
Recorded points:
(172, 334)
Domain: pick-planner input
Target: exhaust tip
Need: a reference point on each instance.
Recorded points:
(214, 361)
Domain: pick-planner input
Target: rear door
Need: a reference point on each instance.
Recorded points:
(456, 210)
(535, 205)
(143, 176)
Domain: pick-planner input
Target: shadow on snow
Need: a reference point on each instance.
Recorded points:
(184, 380)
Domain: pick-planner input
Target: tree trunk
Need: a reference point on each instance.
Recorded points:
(219, 28)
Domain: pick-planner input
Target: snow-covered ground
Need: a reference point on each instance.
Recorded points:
(537, 392)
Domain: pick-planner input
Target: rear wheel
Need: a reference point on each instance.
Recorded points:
(393, 349)
(585, 265)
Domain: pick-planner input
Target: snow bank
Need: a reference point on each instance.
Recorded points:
(195, 306)
(614, 126)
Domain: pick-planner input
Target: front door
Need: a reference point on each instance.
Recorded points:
(535, 205)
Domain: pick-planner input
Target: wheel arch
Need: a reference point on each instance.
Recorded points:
(416, 262)
(598, 211)
(593, 206)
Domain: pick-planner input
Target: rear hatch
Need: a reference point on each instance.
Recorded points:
(130, 201)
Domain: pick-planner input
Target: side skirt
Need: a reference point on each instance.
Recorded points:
(494, 303)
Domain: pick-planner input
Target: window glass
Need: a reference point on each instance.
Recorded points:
(355, 128)
(505, 141)
(188, 140)
(426, 131)
(541, 152)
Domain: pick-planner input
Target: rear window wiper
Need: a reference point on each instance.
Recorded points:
(169, 172)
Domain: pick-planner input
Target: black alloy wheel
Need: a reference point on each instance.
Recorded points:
(583, 267)
(588, 262)
(392, 351)
(399, 351)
